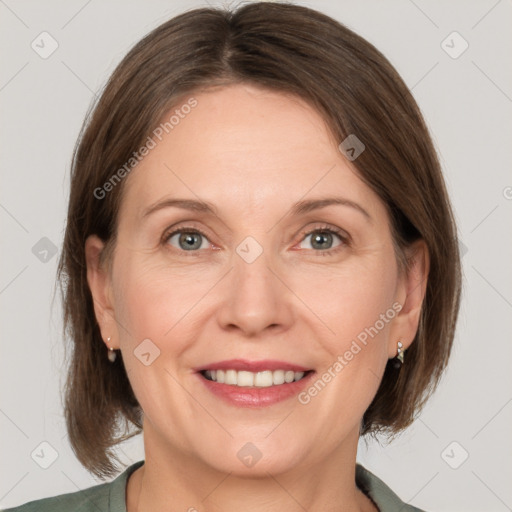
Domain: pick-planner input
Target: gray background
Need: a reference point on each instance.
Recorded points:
(467, 102)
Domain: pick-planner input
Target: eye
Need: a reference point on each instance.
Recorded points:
(322, 239)
(187, 239)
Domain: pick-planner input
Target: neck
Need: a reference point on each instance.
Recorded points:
(172, 477)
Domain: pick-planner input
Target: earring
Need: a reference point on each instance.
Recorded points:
(111, 352)
(399, 359)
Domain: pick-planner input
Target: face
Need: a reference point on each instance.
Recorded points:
(215, 307)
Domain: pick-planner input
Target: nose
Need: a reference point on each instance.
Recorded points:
(256, 298)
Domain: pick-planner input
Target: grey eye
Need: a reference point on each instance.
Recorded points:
(320, 239)
(188, 240)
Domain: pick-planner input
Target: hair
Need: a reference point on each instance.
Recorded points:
(289, 49)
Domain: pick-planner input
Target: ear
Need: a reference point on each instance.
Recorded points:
(100, 285)
(410, 294)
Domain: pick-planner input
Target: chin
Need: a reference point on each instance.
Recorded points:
(257, 458)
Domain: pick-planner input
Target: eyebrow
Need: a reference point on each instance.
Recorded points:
(298, 208)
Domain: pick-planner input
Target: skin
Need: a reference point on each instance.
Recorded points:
(252, 153)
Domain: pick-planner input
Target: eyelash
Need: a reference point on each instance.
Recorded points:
(345, 239)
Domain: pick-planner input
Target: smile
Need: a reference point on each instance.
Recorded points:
(262, 379)
(256, 384)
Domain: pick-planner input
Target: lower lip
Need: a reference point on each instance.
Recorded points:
(256, 397)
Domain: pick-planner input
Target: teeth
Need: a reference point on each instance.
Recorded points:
(278, 377)
(262, 379)
(245, 379)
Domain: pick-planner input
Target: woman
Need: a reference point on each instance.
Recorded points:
(260, 266)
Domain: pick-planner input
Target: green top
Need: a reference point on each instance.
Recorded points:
(111, 496)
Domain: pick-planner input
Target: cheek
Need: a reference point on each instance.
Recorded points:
(356, 304)
(154, 301)
(351, 302)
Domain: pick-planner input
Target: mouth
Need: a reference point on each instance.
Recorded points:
(262, 379)
(254, 383)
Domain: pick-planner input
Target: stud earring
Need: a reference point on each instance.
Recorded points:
(399, 359)
(111, 352)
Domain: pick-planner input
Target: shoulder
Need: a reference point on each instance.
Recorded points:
(380, 493)
(108, 496)
(95, 498)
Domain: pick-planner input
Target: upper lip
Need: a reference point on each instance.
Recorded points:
(252, 366)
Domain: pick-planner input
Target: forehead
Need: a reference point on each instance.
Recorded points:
(249, 147)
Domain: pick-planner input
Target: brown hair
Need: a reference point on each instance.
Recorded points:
(287, 48)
